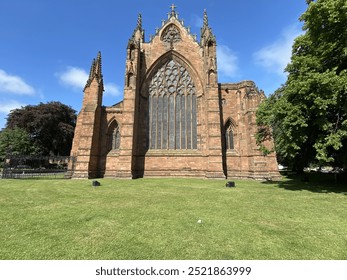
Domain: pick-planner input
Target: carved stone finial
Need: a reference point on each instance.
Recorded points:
(139, 21)
(98, 64)
(138, 33)
(92, 69)
(95, 70)
(207, 36)
(205, 19)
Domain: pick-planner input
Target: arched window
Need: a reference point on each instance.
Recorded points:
(116, 139)
(113, 137)
(229, 135)
(172, 109)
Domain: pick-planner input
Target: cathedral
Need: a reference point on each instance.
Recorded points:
(175, 119)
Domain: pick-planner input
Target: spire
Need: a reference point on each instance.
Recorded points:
(92, 70)
(139, 22)
(95, 70)
(206, 31)
(98, 65)
(138, 34)
(205, 19)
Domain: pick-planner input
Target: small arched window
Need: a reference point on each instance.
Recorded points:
(229, 135)
(114, 137)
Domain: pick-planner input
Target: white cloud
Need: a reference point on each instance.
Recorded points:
(8, 105)
(276, 56)
(77, 78)
(14, 84)
(74, 77)
(227, 61)
(112, 89)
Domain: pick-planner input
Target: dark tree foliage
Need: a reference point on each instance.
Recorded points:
(308, 113)
(50, 126)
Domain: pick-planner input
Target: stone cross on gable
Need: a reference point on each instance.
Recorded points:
(173, 11)
(173, 7)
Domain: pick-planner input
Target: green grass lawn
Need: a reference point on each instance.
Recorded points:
(158, 219)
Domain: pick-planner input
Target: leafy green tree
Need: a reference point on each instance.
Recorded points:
(308, 114)
(15, 141)
(50, 126)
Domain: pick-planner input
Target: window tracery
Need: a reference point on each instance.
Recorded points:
(171, 34)
(229, 136)
(114, 137)
(172, 109)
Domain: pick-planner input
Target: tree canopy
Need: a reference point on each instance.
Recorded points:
(308, 114)
(50, 126)
(15, 141)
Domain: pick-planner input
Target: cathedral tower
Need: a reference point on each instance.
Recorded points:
(86, 144)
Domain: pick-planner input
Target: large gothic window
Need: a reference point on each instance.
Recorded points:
(172, 109)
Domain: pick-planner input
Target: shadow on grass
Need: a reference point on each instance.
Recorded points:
(314, 182)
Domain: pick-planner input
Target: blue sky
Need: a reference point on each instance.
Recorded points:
(46, 47)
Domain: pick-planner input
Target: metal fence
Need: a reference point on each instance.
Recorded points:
(48, 167)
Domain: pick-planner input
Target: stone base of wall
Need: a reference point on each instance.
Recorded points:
(262, 176)
(173, 174)
(215, 175)
(118, 174)
(80, 175)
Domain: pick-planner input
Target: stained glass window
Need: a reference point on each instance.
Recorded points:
(172, 108)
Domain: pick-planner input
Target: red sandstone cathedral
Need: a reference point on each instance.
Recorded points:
(175, 120)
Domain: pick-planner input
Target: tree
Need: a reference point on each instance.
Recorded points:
(15, 141)
(308, 114)
(50, 126)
